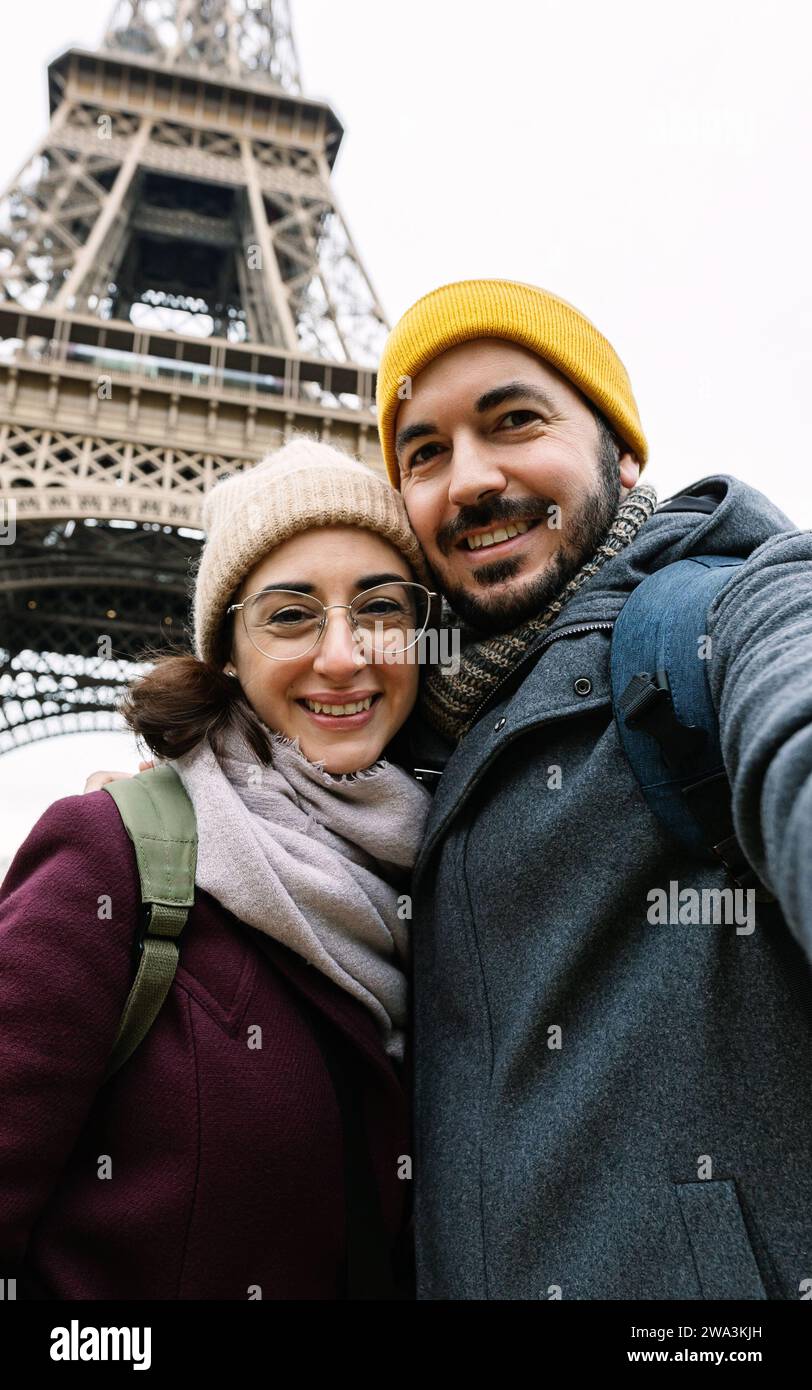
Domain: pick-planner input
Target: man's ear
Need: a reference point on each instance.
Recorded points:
(629, 466)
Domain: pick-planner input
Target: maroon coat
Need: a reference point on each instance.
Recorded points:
(225, 1161)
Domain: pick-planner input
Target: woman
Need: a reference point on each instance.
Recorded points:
(255, 1144)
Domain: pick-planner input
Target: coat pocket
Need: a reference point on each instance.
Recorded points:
(224, 997)
(724, 1258)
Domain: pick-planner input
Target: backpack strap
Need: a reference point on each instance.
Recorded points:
(160, 820)
(664, 709)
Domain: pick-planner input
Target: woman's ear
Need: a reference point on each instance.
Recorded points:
(229, 667)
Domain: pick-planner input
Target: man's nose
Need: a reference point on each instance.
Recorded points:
(339, 654)
(475, 472)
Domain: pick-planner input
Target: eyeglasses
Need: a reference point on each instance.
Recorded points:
(385, 621)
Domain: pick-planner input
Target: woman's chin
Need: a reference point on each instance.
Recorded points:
(338, 761)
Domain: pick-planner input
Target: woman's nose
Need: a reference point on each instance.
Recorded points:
(339, 653)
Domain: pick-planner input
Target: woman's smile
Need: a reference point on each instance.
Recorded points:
(339, 710)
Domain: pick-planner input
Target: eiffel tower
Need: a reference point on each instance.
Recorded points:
(179, 291)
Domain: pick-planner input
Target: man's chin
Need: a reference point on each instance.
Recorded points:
(506, 601)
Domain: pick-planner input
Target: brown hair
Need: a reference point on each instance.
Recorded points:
(182, 700)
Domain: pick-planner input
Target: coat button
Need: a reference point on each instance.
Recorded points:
(583, 686)
(500, 724)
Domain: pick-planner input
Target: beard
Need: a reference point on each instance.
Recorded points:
(586, 528)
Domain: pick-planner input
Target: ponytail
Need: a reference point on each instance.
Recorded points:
(181, 701)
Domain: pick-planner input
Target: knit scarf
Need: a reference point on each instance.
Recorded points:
(315, 860)
(449, 700)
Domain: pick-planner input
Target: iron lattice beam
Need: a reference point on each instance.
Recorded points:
(179, 293)
(238, 38)
(78, 607)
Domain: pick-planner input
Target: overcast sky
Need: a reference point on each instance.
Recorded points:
(648, 162)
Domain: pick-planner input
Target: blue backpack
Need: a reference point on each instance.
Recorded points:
(664, 711)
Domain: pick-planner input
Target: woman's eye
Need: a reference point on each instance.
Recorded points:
(380, 606)
(288, 616)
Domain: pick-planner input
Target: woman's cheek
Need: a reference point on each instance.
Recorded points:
(407, 684)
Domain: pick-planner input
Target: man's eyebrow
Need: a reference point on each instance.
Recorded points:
(511, 391)
(415, 431)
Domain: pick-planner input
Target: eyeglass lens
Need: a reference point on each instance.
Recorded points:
(389, 619)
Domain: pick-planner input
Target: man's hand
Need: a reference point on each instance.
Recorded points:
(97, 780)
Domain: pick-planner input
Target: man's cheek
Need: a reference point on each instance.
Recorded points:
(424, 523)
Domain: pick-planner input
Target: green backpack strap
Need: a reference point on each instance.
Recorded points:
(160, 820)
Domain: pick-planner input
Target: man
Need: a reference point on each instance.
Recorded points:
(608, 1105)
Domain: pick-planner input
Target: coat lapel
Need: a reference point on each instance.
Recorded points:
(545, 697)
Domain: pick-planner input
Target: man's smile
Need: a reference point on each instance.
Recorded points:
(495, 539)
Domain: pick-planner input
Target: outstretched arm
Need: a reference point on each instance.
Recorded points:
(761, 678)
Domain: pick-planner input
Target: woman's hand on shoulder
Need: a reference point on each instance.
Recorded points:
(97, 780)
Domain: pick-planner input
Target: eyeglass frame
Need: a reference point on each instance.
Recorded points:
(238, 607)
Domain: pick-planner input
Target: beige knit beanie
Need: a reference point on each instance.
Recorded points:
(302, 485)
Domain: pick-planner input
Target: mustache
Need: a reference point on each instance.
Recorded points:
(505, 509)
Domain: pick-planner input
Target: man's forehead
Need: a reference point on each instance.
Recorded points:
(474, 367)
(480, 382)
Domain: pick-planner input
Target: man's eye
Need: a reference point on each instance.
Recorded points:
(516, 416)
(422, 455)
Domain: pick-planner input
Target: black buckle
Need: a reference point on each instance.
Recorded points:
(146, 923)
(646, 704)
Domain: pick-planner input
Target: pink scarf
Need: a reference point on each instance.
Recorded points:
(321, 862)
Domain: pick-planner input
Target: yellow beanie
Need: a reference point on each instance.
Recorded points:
(523, 314)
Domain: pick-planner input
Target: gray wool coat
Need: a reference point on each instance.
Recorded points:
(606, 1107)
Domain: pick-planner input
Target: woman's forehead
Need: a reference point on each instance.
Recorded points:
(342, 553)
